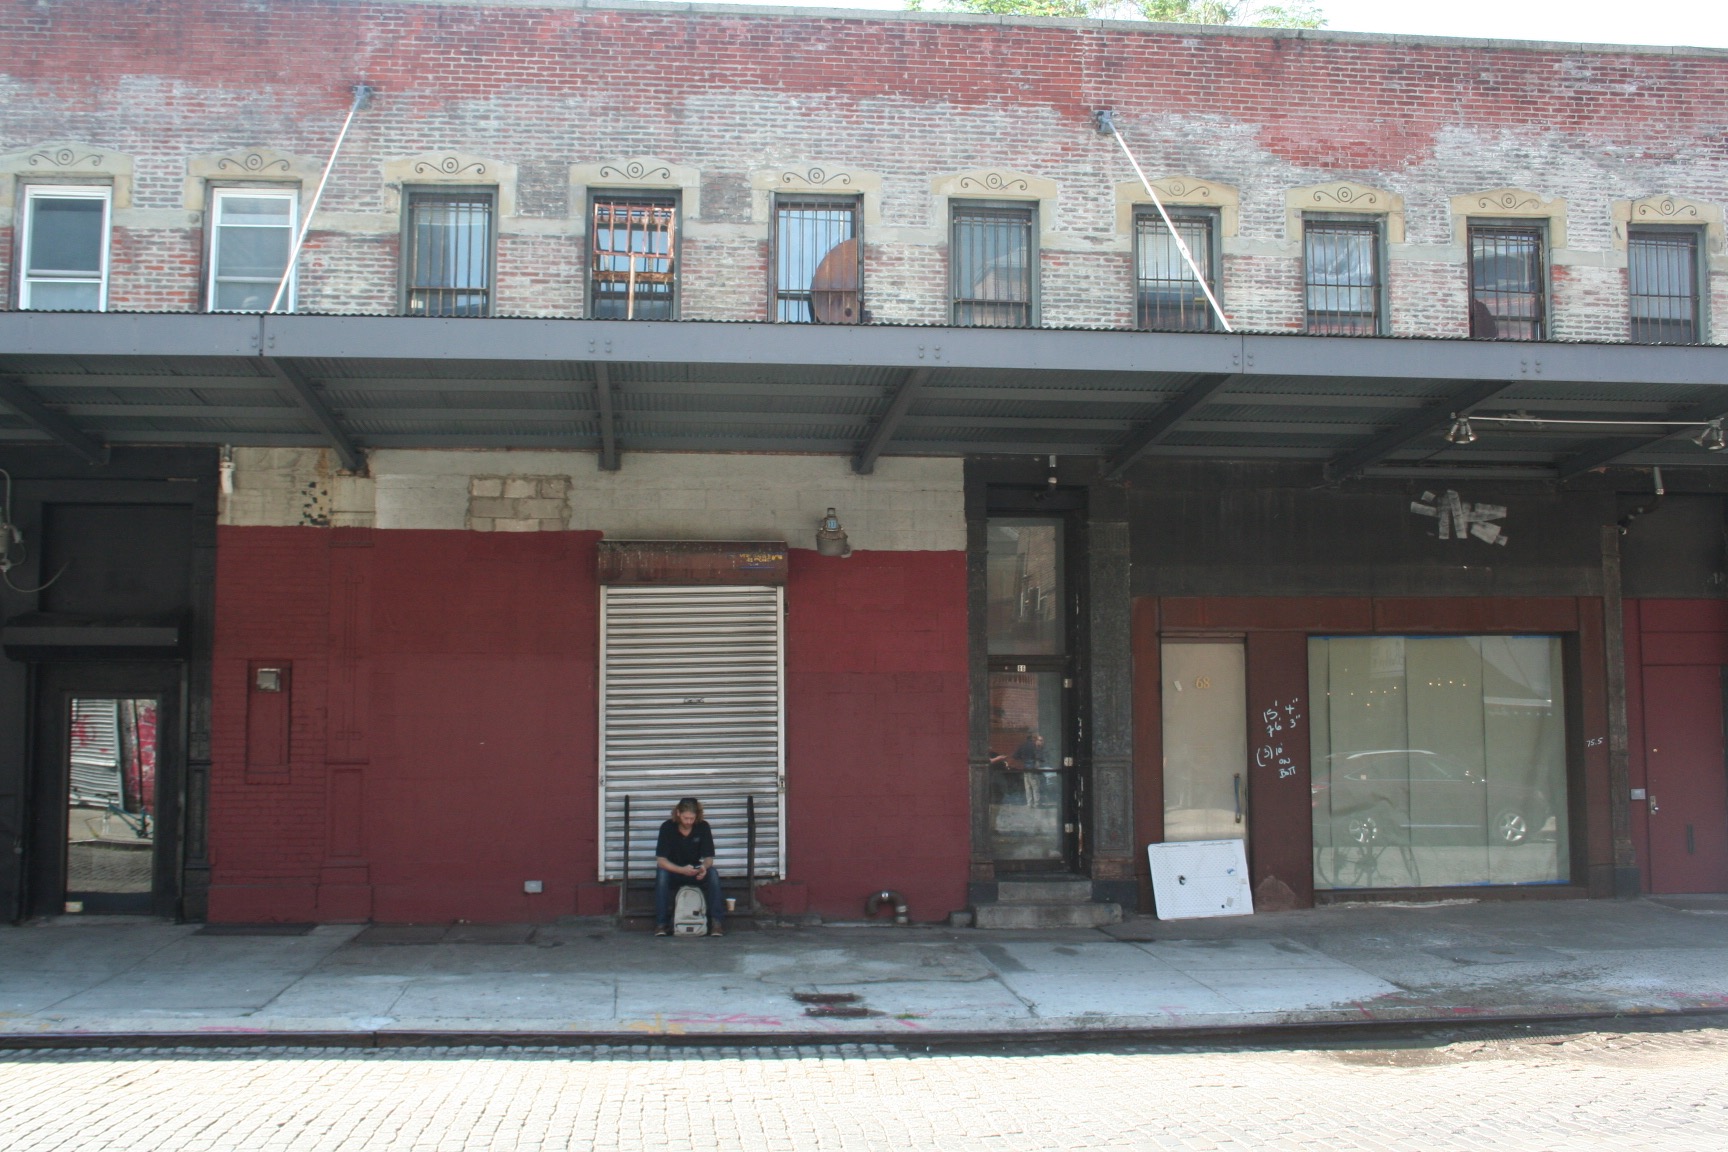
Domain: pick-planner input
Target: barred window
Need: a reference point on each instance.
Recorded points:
(1662, 281)
(991, 266)
(1167, 294)
(449, 253)
(1508, 279)
(633, 268)
(1341, 262)
(818, 267)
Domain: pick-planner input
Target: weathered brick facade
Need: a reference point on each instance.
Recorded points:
(725, 104)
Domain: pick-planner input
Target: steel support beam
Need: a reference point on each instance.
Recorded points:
(1164, 421)
(608, 417)
(55, 425)
(1413, 427)
(1607, 451)
(299, 388)
(911, 384)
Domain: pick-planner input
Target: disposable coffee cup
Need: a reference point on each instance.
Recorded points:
(731, 904)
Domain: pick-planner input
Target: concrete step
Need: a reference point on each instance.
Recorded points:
(1066, 915)
(1059, 890)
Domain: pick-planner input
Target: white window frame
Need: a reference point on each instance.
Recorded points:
(217, 195)
(35, 192)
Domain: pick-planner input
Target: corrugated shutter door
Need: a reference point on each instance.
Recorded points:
(95, 748)
(691, 691)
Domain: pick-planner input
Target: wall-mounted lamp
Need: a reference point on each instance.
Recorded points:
(830, 537)
(225, 470)
(1710, 437)
(1460, 432)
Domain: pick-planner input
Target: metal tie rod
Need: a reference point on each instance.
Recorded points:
(363, 94)
(1106, 123)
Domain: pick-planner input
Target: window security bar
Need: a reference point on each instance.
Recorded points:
(634, 247)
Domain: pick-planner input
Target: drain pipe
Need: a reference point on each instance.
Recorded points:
(363, 94)
(888, 898)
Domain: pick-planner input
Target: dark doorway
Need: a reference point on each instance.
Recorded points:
(105, 812)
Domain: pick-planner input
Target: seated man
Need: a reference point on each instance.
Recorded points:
(683, 855)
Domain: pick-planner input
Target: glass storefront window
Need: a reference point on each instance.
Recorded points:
(1438, 761)
(1025, 588)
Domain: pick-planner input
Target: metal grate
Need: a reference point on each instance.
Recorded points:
(991, 266)
(1662, 281)
(810, 245)
(692, 705)
(449, 253)
(1342, 273)
(633, 268)
(1169, 297)
(1506, 283)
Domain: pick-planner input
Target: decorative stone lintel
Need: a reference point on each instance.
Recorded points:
(1509, 204)
(457, 169)
(1180, 192)
(1668, 211)
(996, 184)
(65, 162)
(264, 165)
(644, 172)
(816, 179)
(1344, 196)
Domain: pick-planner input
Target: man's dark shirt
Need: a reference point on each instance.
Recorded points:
(688, 851)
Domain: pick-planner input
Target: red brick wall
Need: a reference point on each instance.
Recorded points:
(471, 725)
(909, 98)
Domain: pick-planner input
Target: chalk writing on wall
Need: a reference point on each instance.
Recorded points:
(1281, 721)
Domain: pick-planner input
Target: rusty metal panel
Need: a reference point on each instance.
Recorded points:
(761, 562)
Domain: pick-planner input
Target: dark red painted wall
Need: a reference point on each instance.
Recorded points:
(1663, 634)
(443, 728)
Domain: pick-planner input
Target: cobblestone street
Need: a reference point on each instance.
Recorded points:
(1662, 1089)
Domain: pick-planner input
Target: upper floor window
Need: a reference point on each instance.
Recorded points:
(1508, 282)
(992, 265)
(633, 269)
(251, 234)
(1167, 294)
(818, 262)
(1342, 277)
(449, 243)
(65, 246)
(1662, 282)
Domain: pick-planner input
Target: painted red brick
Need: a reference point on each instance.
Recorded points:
(478, 676)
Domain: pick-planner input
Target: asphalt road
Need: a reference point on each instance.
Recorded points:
(1498, 1089)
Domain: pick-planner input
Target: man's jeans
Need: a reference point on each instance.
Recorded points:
(666, 883)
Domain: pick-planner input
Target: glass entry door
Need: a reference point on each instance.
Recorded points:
(1028, 748)
(110, 840)
(1034, 800)
(1205, 741)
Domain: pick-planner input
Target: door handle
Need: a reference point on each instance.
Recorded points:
(1236, 785)
(1653, 805)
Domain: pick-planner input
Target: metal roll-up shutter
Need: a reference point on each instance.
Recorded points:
(692, 697)
(95, 747)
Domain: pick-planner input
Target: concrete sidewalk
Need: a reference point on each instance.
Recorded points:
(138, 981)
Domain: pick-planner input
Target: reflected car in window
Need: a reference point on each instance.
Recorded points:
(1414, 796)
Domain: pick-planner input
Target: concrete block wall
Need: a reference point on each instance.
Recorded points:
(909, 504)
(738, 100)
